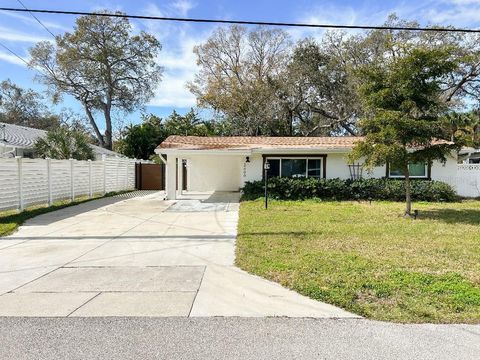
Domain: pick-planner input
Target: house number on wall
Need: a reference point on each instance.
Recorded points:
(244, 170)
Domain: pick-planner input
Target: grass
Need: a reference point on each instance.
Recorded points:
(367, 258)
(10, 220)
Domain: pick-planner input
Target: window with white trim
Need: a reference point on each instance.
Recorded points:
(295, 167)
(416, 170)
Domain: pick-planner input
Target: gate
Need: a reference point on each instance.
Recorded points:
(149, 176)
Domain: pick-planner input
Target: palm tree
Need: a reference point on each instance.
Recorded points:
(63, 143)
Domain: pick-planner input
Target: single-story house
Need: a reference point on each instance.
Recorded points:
(469, 155)
(18, 140)
(196, 163)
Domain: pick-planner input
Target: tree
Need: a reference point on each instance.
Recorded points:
(321, 88)
(237, 69)
(24, 107)
(64, 143)
(403, 124)
(140, 140)
(102, 65)
(464, 127)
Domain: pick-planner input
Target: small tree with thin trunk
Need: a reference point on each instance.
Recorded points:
(103, 65)
(404, 125)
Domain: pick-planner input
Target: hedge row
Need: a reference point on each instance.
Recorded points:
(338, 189)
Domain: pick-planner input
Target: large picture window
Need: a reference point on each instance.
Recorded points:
(416, 170)
(295, 167)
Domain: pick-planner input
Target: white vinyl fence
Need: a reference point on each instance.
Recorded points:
(25, 182)
(467, 180)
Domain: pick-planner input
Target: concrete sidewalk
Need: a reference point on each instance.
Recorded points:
(140, 256)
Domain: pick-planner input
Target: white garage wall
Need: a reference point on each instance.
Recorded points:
(214, 172)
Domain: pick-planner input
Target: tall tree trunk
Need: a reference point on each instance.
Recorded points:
(108, 127)
(408, 192)
(98, 134)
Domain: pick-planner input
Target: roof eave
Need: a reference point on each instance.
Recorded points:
(260, 150)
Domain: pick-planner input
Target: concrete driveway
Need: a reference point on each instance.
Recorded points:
(139, 255)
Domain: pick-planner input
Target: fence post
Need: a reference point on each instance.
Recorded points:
(21, 205)
(90, 191)
(126, 173)
(49, 180)
(104, 174)
(116, 170)
(72, 181)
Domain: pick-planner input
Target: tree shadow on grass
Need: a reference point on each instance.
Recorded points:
(452, 216)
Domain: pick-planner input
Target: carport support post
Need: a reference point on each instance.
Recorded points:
(171, 169)
(180, 176)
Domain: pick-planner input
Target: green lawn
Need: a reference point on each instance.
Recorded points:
(10, 220)
(367, 258)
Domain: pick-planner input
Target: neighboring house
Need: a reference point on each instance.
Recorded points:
(226, 163)
(18, 140)
(469, 155)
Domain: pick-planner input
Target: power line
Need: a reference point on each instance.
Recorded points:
(242, 22)
(38, 20)
(20, 58)
(14, 53)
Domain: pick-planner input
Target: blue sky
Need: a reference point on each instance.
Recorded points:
(20, 31)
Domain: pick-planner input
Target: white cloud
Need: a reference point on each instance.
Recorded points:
(180, 67)
(177, 58)
(27, 19)
(183, 6)
(11, 59)
(456, 12)
(13, 35)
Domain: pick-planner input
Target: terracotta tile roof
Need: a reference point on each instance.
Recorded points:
(252, 142)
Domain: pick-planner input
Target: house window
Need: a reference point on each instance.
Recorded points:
(416, 170)
(295, 167)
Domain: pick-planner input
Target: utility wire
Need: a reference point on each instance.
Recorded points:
(20, 58)
(242, 22)
(38, 20)
(14, 53)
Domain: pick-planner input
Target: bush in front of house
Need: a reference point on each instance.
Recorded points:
(338, 189)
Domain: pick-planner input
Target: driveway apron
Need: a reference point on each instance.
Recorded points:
(140, 255)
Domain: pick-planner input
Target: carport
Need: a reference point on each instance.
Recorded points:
(202, 171)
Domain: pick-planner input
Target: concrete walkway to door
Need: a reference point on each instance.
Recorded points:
(139, 256)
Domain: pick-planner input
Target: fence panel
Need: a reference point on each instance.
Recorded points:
(9, 195)
(468, 180)
(25, 182)
(61, 178)
(35, 181)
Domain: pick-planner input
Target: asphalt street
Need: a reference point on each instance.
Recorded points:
(232, 338)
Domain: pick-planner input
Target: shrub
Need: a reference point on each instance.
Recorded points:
(338, 189)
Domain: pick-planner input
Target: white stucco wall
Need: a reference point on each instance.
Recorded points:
(336, 168)
(445, 172)
(215, 172)
(230, 172)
